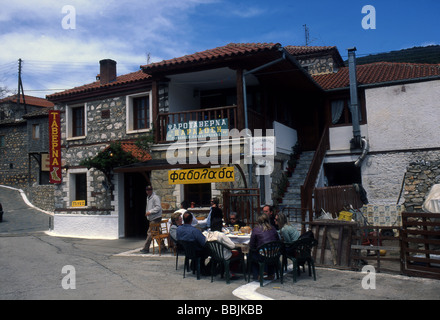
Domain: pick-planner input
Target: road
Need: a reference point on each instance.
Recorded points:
(37, 265)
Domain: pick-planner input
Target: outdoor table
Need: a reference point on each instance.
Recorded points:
(240, 241)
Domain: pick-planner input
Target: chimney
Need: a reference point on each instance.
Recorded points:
(107, 71)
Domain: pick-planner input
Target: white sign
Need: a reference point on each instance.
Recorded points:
(263, 146)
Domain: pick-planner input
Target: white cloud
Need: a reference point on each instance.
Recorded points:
(123, 31)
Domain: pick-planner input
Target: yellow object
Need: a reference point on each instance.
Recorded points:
(345, 215)
(382, 252)
(205, 175)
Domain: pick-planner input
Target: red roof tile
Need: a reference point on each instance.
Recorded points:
(30, 100)
(229, 50)
(94, 86)
(379, 72)
(138, 153)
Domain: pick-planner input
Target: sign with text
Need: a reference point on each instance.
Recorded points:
(54, 146)
(263, 146)
(79, 203)
(197, 129)
(205, 175)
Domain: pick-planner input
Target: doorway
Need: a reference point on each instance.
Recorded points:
(343, 173)
(136, 224)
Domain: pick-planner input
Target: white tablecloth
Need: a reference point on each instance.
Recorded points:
(239, 239)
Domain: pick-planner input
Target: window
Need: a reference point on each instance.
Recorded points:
(139, 113)
(2, 141)
(78, 186)
(36, 132)
(200, 194)
(341, 114)
(76, 123)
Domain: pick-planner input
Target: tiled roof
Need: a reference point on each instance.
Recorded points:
(304, 50)
(138, 153)
(379, 72)
(228, 51)
(94, 86)
(30, 100)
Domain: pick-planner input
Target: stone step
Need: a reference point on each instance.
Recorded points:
(292, 198)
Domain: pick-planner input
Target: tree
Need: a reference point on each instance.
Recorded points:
(108, 159)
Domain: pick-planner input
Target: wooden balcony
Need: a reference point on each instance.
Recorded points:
(230, 112)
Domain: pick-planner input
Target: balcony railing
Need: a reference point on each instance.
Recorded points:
(174, 118)
(256, 120)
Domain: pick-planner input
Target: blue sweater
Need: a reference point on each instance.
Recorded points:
(187, 232)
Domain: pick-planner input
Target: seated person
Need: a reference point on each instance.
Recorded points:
(262, 233)
(233, 220)
(229, 250)
(176, 221)
(184, 207)
(187, 232)
(287, 232)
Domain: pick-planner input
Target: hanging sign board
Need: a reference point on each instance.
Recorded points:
(205, 175)
(197, 129)
(54, 146)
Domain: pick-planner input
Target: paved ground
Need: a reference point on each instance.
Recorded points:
(32, 260)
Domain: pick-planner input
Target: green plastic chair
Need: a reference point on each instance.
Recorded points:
(190, 248)
(268, 254)
(300, 252)
(217, 257)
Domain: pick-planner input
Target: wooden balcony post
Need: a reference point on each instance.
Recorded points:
(155, 108)
(240, 100)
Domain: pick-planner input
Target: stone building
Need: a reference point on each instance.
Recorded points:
(301, 96)
(24, 148)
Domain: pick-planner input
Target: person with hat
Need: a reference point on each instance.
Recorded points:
(153, 214)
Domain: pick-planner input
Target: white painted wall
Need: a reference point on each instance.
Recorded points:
(286, 137)
(86, 226)
(404, 116)
(340, 137)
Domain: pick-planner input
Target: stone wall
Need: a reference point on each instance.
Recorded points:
(106, 123)
(383, 175)
(14, 157)
(319, 64)
(42, 196)
(420, 177)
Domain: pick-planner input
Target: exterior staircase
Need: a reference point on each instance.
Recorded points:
(291, 204)
(292, 198)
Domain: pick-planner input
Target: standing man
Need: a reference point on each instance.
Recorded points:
(153, 214)
(269, 211)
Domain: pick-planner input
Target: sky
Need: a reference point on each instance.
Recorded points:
(61, 42)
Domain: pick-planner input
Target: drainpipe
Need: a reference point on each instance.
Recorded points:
(246, 124)
(357, 141)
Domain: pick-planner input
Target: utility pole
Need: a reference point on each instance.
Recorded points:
(20, 86)
(307, 35)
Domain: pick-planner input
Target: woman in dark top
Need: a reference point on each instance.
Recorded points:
(263, 233)
(216, 216)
